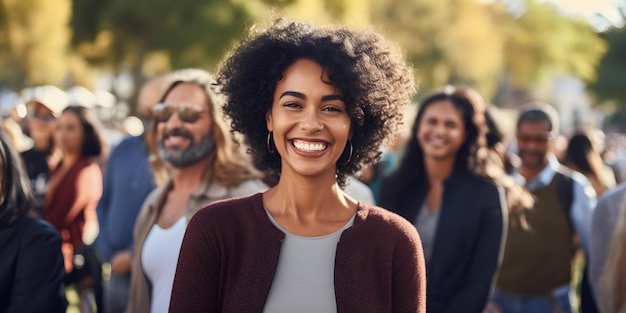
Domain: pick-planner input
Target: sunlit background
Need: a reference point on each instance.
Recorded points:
(571, 53)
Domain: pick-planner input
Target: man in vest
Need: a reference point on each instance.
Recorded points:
(536, 269)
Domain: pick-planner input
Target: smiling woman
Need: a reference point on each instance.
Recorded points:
(314, 104)
(444, 187)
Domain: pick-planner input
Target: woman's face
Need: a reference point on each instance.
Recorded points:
(441, 130)
(68, 134)
(309, 121)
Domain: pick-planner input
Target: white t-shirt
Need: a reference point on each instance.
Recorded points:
(159, 257)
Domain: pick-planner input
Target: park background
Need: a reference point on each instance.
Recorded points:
(570, 53)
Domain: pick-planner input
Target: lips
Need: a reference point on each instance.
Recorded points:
(309, 146)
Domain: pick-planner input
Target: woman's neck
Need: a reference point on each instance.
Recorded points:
(69, 158)
(438, 170)
(305, 196)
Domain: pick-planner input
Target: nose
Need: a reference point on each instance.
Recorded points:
(439, 129)
(311, 121)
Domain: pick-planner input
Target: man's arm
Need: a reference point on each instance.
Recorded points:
(581, 212)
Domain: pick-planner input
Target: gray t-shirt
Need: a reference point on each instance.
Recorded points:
(426, 224)
(304, 279)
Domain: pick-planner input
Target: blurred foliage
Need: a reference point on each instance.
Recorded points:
(610, 86)
(34, 37)
(448, 41)
(542, 41)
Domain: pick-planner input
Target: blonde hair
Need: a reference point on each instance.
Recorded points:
(613, 283)
(228, 166)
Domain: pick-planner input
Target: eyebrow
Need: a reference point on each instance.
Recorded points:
(293, 94)
(302, 96)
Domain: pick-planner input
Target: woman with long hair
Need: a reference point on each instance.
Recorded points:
(583, 155)
(446, 185)
(31, 266)
(74, 189)
(314, 104)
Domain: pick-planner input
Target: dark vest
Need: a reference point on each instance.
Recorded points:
(538, 260)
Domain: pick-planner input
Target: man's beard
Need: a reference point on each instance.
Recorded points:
(539, 156)
(195, 153)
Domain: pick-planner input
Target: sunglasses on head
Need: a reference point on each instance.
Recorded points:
(188, 113)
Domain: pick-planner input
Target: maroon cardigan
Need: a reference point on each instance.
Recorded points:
(230, 252)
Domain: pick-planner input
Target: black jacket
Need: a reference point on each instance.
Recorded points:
(469, 238)
(31, 268)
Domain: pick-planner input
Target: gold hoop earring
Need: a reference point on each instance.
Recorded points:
(349, 155)
(269, 143)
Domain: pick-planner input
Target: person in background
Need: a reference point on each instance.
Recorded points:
(536, 270)
(44, 104)
(313, 103)
(613, 283)
(444, 187)
(606, 218)
(127, 182)
(583, 156)
(196, 152)
(74, 189)
(31, 263)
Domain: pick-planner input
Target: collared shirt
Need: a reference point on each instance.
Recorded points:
(583, 197)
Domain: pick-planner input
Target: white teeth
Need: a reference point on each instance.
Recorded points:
(309, 147)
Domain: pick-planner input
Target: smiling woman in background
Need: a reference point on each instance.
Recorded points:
(74, 189)
(443, 187)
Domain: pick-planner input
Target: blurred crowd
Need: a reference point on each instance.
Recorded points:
(547, 230)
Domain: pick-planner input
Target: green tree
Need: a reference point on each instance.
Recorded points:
(34, 36)
(545, 41)
(127, 35)
(611, 72)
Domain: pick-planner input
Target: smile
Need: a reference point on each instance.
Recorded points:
(309, 147)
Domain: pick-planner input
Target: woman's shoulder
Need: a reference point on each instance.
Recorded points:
(38, 232)
(377, 219)
(472, 182)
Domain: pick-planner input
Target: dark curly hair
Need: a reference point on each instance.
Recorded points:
(375, 80)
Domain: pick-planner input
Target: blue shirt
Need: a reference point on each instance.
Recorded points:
(128, 180)
(583, 197)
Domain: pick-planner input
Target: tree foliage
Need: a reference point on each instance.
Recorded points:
(448, 41)
(544, 41)
(611, 82)
(34, 36)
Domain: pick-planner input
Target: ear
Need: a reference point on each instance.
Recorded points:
(268, 120)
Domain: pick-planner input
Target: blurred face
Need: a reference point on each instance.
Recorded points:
(309, 121)
(69, 133)
(149, 95)
(441, 130)
(533, 142)
(184, 126)
(40, 124)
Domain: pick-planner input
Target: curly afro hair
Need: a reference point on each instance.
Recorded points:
(375, 80)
